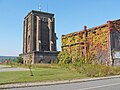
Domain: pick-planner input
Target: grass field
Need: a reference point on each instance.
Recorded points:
(40, 74)
(48, 72)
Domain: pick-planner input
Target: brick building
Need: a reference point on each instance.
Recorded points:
(101, 43)
(39, 37)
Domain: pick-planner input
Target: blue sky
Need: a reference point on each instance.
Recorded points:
(71, 16)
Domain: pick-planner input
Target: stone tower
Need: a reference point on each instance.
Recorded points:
(39, 36)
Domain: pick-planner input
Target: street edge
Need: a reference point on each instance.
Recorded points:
(33, 84)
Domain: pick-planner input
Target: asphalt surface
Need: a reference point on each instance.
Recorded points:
(107, 84)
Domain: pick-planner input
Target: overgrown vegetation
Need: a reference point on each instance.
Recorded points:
(50, 72)
(64, 58)
(67, 58)
(70, 66)
(73, 58)
(95, 70)
(20, 60)
(78, 64)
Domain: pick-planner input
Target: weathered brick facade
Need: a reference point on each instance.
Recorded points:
(101, 43)
(39, 37)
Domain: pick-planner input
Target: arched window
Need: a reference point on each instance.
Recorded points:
(29, 40)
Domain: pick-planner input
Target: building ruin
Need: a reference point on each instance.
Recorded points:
(101, 43)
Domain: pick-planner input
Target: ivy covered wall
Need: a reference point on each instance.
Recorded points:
(89, 43)
(95, 44)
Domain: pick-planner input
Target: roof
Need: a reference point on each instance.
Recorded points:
(40, 12)
(34, 11)
(82, 31)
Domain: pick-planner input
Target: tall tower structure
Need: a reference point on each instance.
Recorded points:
(39, 36)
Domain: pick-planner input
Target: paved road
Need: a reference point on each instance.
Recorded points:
(4, 68)
(108, 84)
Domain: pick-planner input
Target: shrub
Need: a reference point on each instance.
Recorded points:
(79, 61)
(20, 60)
(67, 58)
(97, 70)
(64, 58)
(84, 66)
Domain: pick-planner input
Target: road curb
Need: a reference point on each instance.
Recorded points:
(33, 84)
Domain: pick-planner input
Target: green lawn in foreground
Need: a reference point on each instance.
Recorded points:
(51, 72)
(40, 74)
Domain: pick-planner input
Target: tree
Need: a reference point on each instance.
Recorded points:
(96, 55)
(20, 60)
(30, 65)
(11, 63)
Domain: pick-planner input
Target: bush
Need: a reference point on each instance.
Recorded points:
(67, 58)
(79, 61)
(91, 70)
(20, 60)
(97, 70)
(64, 58)
(84, 66)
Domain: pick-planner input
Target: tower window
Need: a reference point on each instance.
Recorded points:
(29, 39)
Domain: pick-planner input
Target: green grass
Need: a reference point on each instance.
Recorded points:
(48, 72)
(40, 74)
